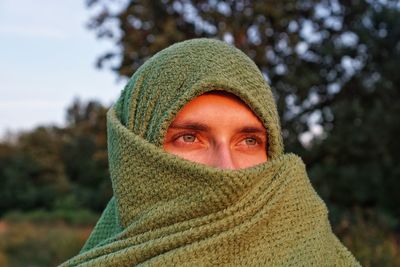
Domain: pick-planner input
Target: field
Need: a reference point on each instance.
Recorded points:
(37, 243)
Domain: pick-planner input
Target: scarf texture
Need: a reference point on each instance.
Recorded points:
(167, 211)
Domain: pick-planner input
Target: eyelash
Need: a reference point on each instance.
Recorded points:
(176, 137)
(258, 140)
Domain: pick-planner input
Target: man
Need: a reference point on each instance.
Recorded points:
(219, 130)
(199, 174)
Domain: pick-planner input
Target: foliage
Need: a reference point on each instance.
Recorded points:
(27, 244)
(58, 168)
(76, 217)
(357, 162)
(85, 155)
(332, 64)
(368, 234)
(333, 67)
(31, 170)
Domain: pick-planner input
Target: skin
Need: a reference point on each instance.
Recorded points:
(219, 130)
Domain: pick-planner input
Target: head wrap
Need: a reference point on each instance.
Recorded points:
(167, 211)
(179, 73)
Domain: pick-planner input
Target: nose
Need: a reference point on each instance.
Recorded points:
(222, 157)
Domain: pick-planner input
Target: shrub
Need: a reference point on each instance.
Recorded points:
(369, 235)
(28, 244)
(71, 217)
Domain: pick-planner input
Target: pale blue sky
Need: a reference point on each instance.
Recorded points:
(47, 58)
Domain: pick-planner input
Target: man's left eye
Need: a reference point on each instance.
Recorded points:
(250, 141)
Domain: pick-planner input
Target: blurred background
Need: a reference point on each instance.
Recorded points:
(333, 65)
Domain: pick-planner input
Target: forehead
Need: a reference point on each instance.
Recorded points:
(219, 109)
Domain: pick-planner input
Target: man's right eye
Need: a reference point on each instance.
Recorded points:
(188, 138)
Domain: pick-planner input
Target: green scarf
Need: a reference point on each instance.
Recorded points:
(167, 211)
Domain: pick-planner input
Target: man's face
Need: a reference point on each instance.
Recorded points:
(218, 130)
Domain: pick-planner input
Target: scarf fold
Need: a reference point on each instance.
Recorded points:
(167, 211)
(197, 215)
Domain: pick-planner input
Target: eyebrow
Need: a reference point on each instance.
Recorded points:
(197, 126)
(190, 125)
(252, 129)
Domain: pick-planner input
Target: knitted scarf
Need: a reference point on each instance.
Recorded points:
(167, 211)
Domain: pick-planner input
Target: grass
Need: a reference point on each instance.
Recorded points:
(371, 239)
(43, 238)
(26, 240)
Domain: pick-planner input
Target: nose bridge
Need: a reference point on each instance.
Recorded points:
(223, 156)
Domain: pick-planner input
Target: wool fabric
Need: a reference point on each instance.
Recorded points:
(167, 211)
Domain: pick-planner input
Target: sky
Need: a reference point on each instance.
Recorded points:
(47, 59)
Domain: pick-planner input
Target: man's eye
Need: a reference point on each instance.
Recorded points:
(250, 141)
(189, 138)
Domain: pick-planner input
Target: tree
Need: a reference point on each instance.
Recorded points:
(85, 154)
(357, 163)
(331, 63)
(31, 170)
(58, 168)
